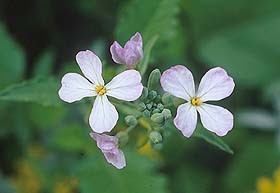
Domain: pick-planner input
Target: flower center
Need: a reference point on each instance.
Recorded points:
(100, 90)
(195, 101)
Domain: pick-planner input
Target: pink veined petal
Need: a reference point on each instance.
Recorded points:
(103, 116)
(178, 81)
(125, 86)
(216, 119)
(105, 142)
(133, 51)
(117, 53)
(186, 119)
(137, 38)
(132, 55)
(74, 87)
(117, 158)
(91, 66)
(215, 85)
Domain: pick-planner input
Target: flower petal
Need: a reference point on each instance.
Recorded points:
(117, 158)
(105, 142)
(137, 38)
(117, 53)
(216, 119)
(74, 87)
(125, 86)
(178, 81)
(215, 85)
(186, 119)
(103, 116)
(91, 66)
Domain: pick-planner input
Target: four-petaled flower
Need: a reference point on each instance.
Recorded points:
(132, 52)
(109, 147)
(215, 85)
(125, 86)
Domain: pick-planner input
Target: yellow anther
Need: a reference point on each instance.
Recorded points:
(100, 90)
(196, 101)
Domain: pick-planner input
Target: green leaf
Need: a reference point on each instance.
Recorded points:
(11, 59)
(260, 157)
(210, 17)
(151, 18)
(43, 66)
(41, 91)
(96, 175)
(143, 65)
(192, 179)
(72, 138)
(248, 51)
(212, 139)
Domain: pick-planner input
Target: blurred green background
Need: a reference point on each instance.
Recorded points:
(44, 143)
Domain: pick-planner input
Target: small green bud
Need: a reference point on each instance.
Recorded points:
(155, 137)
(141, 106)
(146, 113)
(160, 106)
(149, 106)
(154, 79)
(158, 99)
(123, 138)
(167, 99)
(156, 111)
(144, 94)
(130, 120)
(158, 118)
(152, 94)
(157, 146)
(166, 113)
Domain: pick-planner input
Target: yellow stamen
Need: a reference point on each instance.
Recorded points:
(195, 101)
(100, 90)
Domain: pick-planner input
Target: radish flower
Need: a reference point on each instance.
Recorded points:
(109, 147)
(215, 85)
(125, 86)
(132, 52)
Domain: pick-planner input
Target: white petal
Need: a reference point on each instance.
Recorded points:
(116, 159)
(216, 119)
(215, 85)
(103, 116)
(91, 66)
(178, 81)
(186, 119)
(74, 87)
(125, 86)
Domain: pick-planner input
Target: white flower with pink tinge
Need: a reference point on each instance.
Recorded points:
(125, 86)
(109, 147)
(214, 85)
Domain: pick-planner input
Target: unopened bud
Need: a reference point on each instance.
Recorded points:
(123, 138)
(167, 99)
(155, 137)
(157, 146)
(146, 113)
(130, 120)
(154, 79)
(166, 113)
(141, 106)
(152, 94)
(158, 118)
(149, 106)
(156, 111)
(144, 94)
(160, 106)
